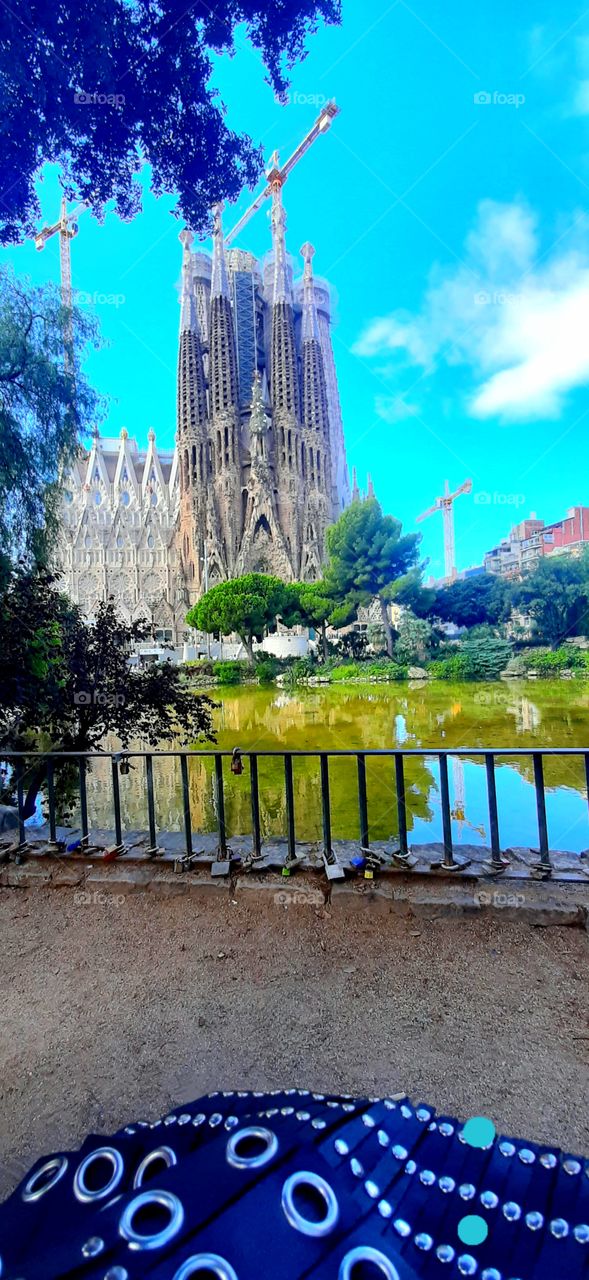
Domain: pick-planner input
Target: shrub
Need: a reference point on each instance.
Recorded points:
(229, 671)
(550, 662)
(199, 666)
(267, 669)
(453, 668)
(485, 658)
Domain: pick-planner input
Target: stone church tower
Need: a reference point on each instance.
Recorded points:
(259, 470)
(261, 457)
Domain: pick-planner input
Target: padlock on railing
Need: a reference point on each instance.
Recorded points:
(236, 761)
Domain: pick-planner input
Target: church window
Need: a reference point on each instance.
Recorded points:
(154, 499)
(120, 541)
(68, 495)
(151, 541)
(125, 499)
(98, 499)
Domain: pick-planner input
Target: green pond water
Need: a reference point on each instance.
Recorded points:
(425, 715)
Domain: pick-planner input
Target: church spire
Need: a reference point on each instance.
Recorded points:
(315, 411)
(355, 489)
(192, 395)
(223, 359)
(219, 280)
(285, 372)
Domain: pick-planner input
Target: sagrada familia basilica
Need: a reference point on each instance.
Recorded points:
(259, 469)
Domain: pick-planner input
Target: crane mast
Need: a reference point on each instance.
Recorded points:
(67, 228)
(445, 504)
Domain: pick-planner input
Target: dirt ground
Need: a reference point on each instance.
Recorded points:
(119, 1010)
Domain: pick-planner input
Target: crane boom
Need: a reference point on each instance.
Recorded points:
(445, 504)
(276, 173)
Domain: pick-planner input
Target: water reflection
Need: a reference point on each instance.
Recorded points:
(355, 717)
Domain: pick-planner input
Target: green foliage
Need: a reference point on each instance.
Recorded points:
(469, 601)
(104, 86)
(382, 669)
(550, 662)
(556, 597)
(248, 606)
(474, 659)
(40, 424)
(414, 639)
(229, 671)
(65, 686)
(267, 668)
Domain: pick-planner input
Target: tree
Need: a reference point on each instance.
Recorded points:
(100, 86)
(369, 558)
(556, 597)
(414, 638)
(315, 607)
(64, 685)
(470, 601)
(248, 606)
(41, 422)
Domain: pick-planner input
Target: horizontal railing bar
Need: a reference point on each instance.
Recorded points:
(336, 751)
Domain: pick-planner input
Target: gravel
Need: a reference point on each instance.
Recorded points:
(119, 1010)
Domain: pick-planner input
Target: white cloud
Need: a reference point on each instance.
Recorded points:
(519, 324)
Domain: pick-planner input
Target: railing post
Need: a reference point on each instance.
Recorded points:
(116, 798)
(401, 806)
(290, 817)
(220, 797)
(255, 803)
(544, 867)
(363, 802)
(51, 802)
(83, 801)
(448, 860)
(186, 805)
(20, 800)
(496, 859)
(153, 849)
(325, 805)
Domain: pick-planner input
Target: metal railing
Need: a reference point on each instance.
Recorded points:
(120, 764)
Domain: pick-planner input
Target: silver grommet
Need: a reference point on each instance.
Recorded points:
(93, 1247)
(160, 1154)
(155, 1239)
(110, 1156)
(317, 1188)
(205, 1264)
(251, 1148)
(44, 1178)
(364, 1253)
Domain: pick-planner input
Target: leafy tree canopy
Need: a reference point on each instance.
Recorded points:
(64, 685)
(369, 557)
(99, 86)
(556, 597)
(248, 606)
(470, 601)
(39, 425)
(315, 607)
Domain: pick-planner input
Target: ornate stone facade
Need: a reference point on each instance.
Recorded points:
(259, 470)
(262, 462)
(119, 534)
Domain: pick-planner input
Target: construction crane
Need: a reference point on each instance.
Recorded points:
(445, 505)
(277, 174)
(67, 228)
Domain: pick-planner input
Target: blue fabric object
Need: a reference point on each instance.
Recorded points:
(252, 1186)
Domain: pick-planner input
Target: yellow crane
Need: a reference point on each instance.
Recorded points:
(445, 504)
(277, 174)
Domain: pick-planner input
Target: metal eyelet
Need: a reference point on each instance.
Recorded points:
(81, 1189)
(46, 1176)
(247, 1139)
(142, 1239)
(351, 1266)
(306, 1181)
(205, 1264)
(160, 1153)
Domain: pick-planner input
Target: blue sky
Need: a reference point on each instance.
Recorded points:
(447, 206)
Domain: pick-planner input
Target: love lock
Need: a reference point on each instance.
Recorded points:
(236, 761)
